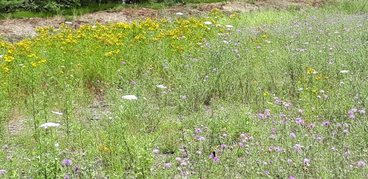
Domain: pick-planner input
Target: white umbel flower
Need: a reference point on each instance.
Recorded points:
(49, 124)
(129, 97)
(344, 71)
(161, 86)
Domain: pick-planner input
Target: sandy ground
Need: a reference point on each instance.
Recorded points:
(16, 29)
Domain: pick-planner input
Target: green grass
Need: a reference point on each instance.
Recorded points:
(269, 93)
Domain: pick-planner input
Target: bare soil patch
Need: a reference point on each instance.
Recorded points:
(16, 29)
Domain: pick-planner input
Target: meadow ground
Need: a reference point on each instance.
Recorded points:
(264, 94)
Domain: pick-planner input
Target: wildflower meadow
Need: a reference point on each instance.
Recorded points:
(263, 94)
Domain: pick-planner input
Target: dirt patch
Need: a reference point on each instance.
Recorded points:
(16, 29)
(17, 122)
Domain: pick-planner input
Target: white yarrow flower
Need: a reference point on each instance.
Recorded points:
(130, 97)
(208, 23)
(344, 71)
(49, 124)
(161, 86)
(229, 26)
(179, 13)
(57, 113)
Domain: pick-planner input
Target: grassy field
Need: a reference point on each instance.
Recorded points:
(266, 94)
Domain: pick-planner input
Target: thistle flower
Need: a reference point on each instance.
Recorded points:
(306, 162)
(167, 165)
(292, 135)
(67, 162)
(361, 164)
(2, 172)
(299, 121)
(298, 148)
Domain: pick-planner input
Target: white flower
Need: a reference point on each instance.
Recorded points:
(50, 124)
(1, 56)
(179, 13)
(130, 97)
(208, 23)
(344, 71)
(57, 113)
(229, 26)
(68, 22)
(161, 86)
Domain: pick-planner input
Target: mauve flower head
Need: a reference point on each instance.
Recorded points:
(198, 130)
(223, 146)
(282, 115)
(261, 116)
(292, 135)
(291, 177)
(299, 121)
(67, 162)
(76, 170)
(241, 144)
(287, 105)
(216, 159)
(167, 165)
(200, 138)
(319, 138)
(267, 113)
(2, 172)
(298, 148)
(156, 151)
(178, 159)
(306, 162)
(66, 176)
(278, 149)
(311, 126)
(326, 123)
(361, 164)
(278, 101)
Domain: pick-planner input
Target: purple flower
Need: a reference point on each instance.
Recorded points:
(2, 172)
(267, 113)
(156, 151)
(223, 146)
(292, 177)
(200, 138)
(299, 121)
(361, 164)
(311, 126)
(198, 130)
(278, 101)
(167, 165)
(76, 170)
(67, 162)
(292, 135)
(216, 159)
(298, 148)
(306, 162)
(326, 123)
(66, 176)
(319, 138)
(261, 116)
